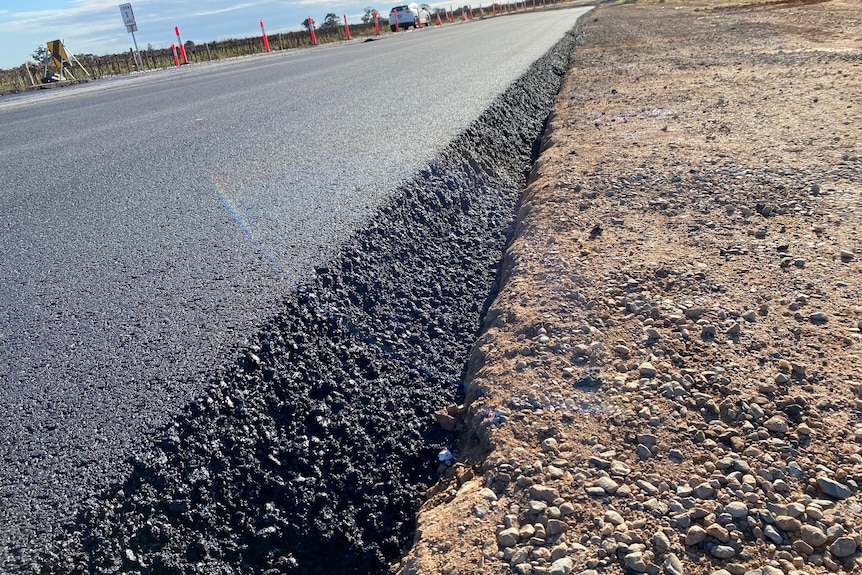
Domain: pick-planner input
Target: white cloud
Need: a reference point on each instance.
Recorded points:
(223, 10)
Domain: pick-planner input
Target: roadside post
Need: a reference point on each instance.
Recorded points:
(265, 39)
(346, 27)
(376, 24)
(131, 27)
(176, 58)
(180, 46)
(311, 30)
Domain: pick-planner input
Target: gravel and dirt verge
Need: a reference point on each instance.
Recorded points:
(670, 376)
(313, 453)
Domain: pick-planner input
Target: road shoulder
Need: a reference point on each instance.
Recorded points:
(669, 380)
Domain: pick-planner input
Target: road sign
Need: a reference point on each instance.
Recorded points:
(128, 15)
(58, 53)
(131, 27)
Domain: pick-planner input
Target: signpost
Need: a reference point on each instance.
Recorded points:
(131, 27)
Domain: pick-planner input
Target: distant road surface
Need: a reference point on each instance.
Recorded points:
(132, 210)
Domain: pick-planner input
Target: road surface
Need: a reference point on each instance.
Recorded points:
(149, 223)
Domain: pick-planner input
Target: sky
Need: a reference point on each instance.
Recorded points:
(96, 26)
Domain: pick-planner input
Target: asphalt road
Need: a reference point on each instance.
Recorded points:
(149, 223)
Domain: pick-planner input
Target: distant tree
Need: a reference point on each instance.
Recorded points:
(368, 17)
(307, 23)
(40, 54)
(331, 21)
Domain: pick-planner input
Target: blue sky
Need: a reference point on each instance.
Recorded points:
(96, 26)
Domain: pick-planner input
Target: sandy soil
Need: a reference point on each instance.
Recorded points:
(670, 380)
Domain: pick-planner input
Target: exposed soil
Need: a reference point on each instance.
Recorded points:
(671, 377)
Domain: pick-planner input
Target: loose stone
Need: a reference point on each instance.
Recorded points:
(737, 509)
(647, 369)
(704, 491)
(543, 493)
(613, 517)
(695, 535)
(635, 562)
(643, 452)
(776, 424)
(718, 532)
(672, 565)
(722, 551)
(555, 527)
(787, 523)
(773, 534)
(562, 566)
(813, 535)
(660, 543)
(833, 488)
(843, 547)
(508, 537)
(607, 484)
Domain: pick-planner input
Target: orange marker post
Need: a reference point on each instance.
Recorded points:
(176, 58)
(265, 39)
(180, 46)
(311, 30)
(376, 24)
(346, 27)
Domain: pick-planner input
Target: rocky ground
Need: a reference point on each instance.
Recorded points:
(670, 379)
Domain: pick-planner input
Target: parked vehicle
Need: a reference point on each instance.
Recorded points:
(409, 15)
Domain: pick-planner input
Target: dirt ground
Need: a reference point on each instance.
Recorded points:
(670, 380)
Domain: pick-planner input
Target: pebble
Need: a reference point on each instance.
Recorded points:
(704, 491)
(647, 370)
(555, 527)
(508, 537)
(787, 523)
(660, 543)
(718, 532)
(613, 517)
(607, 484)
(543, 493)
(776, 424)
(672, 565)
(843, 547)
(562, 566)
(773, 534)
(695, 535)
(818, 317)
(833, 488)
(722, 551)
(737, 509)
(642, 451)
(635, 562)
(813, 535)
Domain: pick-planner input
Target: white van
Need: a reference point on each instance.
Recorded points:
(409, 15)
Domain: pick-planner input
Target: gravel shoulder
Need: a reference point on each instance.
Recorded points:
(669, 380)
